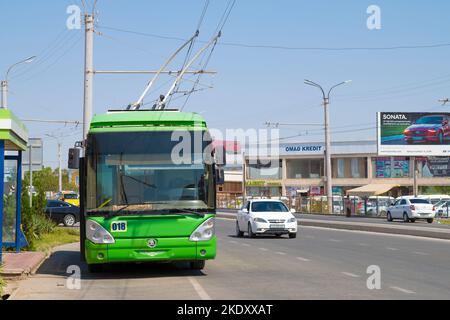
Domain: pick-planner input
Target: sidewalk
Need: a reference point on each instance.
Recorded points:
(17, 266)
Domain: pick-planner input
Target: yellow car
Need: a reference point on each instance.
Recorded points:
(71, 198)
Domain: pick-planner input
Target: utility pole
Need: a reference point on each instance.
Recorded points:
(60, 169)
(416, 173)
(328, 171)
(88, 72)
(329, 183)
(30, 167)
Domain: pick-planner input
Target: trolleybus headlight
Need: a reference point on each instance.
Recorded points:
(205, 231)
(97, 234)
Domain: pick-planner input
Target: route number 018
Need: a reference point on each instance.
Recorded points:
(119, 226)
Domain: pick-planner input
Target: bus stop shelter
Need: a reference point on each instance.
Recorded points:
(13, 141)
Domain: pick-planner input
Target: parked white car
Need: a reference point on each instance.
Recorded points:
(412, 209)
(266, 217)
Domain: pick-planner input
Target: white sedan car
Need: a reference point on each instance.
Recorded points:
(266, 217)
(412, 209)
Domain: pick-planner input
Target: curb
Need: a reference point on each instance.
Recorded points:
(20, 274)
(365, 227)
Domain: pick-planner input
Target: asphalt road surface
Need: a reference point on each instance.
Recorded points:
(362, 219)
(319, 264)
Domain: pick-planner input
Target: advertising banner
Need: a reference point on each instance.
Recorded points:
(435, 167)
(413, 134)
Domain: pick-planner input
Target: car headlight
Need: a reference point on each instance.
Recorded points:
(291, 220)
(97, 234)
(205, 231)
(260, 220)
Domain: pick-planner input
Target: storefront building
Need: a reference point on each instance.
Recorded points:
(300, 169)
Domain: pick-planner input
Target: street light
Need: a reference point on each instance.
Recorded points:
(326, 102)
(4, 83)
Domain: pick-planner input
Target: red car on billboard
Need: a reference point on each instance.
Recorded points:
(429, 129)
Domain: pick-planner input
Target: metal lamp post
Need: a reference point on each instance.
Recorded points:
(4, 83)
(326, 103)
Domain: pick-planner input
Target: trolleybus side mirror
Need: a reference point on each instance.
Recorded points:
(74, 158)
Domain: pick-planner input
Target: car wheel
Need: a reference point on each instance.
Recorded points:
(250, 231)
(413, 220)
(405, 217)
(198, 265)
(95, 268)
(292, 235)
(389, 217)
(239, 233)
(69, 220)
(430, 220)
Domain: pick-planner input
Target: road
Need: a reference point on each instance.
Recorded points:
(319, 264)
(362, 219)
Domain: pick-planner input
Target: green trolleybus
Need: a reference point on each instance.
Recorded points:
(148, 189)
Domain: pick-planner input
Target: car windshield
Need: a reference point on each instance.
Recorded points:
(430, 120)
(269, 206)
(136, 172)
(419, 201)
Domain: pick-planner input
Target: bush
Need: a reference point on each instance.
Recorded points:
(35, 223)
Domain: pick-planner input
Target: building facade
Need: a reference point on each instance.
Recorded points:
(300, 168)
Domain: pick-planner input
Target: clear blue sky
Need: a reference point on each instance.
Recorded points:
(253, 85)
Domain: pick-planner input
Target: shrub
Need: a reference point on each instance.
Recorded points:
(35, 223)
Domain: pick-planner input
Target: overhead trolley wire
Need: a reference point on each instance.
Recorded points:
(290, 48)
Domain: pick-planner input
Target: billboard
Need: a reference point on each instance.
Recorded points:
(413, 134)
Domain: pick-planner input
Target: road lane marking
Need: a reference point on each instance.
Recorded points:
(233, 242)
(281, 253)
(351, 274)
(199, 289)
(420, 253)
(263, 249)
(246, 245)
(391, 249)
(310, 237)
(402, 290)
(303, 259)
(335, 240)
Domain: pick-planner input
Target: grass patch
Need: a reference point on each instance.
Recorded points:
(444, 222)
(57, 237)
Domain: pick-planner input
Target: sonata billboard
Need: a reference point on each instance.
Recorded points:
(413, 134)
